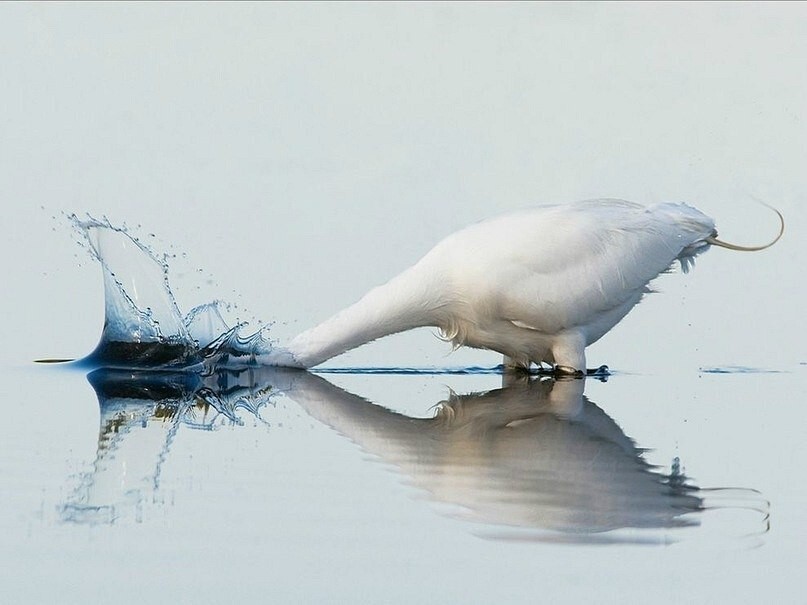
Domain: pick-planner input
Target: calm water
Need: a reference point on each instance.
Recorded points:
(289, 485)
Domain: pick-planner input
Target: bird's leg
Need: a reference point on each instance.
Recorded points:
(512, 364)
(514, 371)
(569, 351)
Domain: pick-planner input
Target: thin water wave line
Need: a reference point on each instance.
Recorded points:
(414, 371)
(739, 370)
(599, 373)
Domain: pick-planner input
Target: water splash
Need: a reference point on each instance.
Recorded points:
(143, 324)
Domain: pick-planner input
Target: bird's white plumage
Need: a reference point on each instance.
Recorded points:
(536, 285)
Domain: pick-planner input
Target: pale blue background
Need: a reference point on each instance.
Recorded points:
(300, 154)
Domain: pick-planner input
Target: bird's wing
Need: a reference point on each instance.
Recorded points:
(559, 267)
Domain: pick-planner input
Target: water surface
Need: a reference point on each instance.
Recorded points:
(536, 455)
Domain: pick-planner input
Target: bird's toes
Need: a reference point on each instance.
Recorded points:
(568, 372)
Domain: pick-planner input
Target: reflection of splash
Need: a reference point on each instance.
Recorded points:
(536, 457)
(141, 413)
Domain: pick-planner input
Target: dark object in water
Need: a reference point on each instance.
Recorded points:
(112, 353)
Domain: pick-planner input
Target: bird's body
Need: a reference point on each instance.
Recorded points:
(538, 286)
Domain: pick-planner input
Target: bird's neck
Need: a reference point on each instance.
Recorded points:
(411, 300)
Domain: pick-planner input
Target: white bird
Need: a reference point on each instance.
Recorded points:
(538, 286)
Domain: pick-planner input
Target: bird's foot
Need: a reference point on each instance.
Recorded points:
(602, 373)
(568, 372)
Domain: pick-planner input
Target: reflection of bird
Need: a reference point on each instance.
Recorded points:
(535, 455)
(538, 286)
